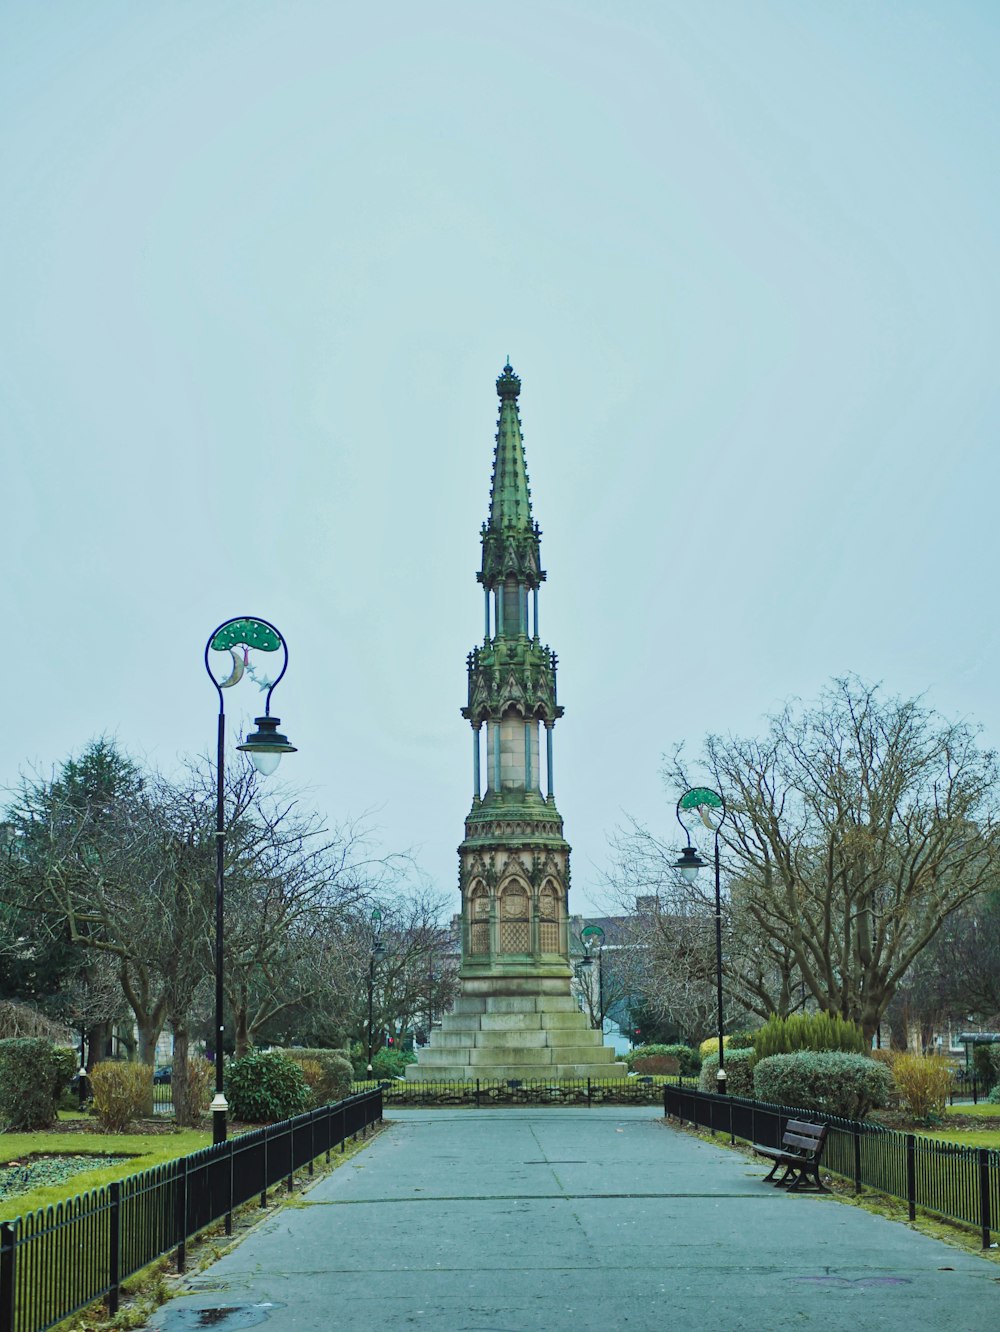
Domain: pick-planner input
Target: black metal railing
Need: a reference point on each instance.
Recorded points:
(958, 1183)
(517, 1091)
(63, 1258)
(970, 1087)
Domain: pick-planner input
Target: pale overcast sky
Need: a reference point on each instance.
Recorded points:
(262, 262)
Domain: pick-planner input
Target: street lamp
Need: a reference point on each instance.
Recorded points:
(265, 746)
(702, 799)
(377, 951)
(589, 936)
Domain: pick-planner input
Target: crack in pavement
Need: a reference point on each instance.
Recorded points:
(524, 1197)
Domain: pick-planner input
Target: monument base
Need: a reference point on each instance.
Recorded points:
(537, 1033)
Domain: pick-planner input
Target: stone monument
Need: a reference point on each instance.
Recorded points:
(515, 1017)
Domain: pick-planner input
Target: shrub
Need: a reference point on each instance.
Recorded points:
(711, 1045)
(688, 1060)
(31, 1080)
(739, 1073)
(809, 1031)
(741, 1040)
(313, 1075)
(265, 1086)
(986, 1063)
(994, 1096)
(388, 1063)
(120, 1093)
(65, 1066)
(333, 1082)
(834, 1082)
(923, 1083)
(200, 1084)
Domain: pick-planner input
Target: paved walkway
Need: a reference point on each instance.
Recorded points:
(575, 1219)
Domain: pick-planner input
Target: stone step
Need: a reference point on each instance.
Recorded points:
(582, 1054)
(573, 1019)
(557, 1003)
(541, 1058)
(505, 1041)
(469, 1004)
(520, 1072)
(430, 1058)
(510, 1003)
(562, 1036)
(450, 1040)
(510, 1022)
(468, 1022)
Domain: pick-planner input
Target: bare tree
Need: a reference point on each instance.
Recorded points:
(416, 974)
(855, 827)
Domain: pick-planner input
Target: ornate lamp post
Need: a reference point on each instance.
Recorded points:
(377, 951)
(701, 799)
(589, 936)
(265, 746)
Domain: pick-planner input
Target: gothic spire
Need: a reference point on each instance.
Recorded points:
(510, 537)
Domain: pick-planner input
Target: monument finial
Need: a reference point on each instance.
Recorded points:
(508, 384)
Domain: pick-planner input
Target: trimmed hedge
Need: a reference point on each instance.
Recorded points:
(831, 1081)
(739, 1072)
(33, 1074)
(688, 1060)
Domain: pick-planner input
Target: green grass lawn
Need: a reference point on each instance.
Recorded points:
(143, 1150)
(984, 1110)
(964, 1137)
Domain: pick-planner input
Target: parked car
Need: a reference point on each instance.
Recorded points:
(163, 1075)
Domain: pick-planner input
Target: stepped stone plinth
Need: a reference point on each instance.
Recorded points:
(543, 1036)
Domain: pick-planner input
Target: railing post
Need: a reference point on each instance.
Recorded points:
(732, 1135)
(477, 1093)
(911, 1175)
(114, 1245)
(312, 1140)
(267, 1178)
(985, 1219)
(857, 1160)
(328, 1125)
(588, 1092)
(8, 1246)
(343, 1130)
(180, 1212)
(230, 1153)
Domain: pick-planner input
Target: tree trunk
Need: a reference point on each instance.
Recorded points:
(242, 1034)
(97, 1039)
(185, 1114)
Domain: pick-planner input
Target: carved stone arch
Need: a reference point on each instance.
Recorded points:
(479, 919)
(550, 915)
(515, 918)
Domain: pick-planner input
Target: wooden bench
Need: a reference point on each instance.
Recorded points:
(800, 1152)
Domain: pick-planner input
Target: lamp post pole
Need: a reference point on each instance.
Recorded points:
(237, 637)
(704, 801)
(376, 951)
(590, 935)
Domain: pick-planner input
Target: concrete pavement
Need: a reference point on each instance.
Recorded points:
(559, 1219)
